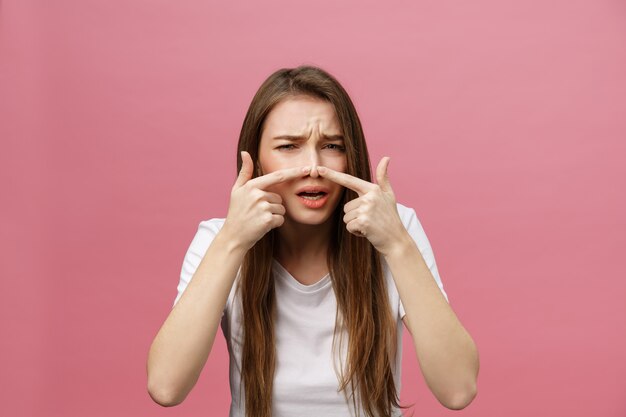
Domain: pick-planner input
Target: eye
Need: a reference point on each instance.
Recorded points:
(336, 147)
(286, 147)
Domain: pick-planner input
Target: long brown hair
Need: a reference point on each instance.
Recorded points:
(363, 308)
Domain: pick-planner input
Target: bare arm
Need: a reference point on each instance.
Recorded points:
(184, 341)
(446, 353)
(182, 345)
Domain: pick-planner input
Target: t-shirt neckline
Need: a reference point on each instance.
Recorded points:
(283, 274)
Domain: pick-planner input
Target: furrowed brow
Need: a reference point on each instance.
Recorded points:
(289, 137)
(333, 137)
(299, 138)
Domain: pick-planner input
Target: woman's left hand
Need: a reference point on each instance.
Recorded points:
(374, 214)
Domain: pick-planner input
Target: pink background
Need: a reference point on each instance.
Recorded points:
(505, 122)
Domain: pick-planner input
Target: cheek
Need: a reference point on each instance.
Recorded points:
(272, 164)
(337, 164)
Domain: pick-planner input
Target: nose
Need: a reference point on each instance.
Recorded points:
(314, 161)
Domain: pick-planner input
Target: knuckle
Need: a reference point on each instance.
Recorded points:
(256, 193)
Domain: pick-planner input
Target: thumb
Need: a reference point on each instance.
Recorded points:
(381, 174)
(247, 167)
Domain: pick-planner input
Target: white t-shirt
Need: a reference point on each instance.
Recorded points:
(305, 382)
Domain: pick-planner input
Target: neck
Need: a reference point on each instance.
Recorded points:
(303, 241)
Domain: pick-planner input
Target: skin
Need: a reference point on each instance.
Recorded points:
(180, 349)
(447, 355)
(446, 352)
(315, 140)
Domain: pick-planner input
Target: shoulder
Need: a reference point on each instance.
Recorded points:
(416, 230)
(413, 225)
(210, 227)
(403, 210)
(407, 215)
(206, 232)
(212, 224)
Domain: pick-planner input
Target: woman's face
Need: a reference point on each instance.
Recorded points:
(304, 131)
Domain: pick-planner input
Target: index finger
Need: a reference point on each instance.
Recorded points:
(355, 184)
(278, 176)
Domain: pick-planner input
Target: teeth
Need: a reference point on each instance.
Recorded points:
(312, 197)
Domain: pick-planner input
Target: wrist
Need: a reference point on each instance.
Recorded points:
(400, 247)
(231, 241)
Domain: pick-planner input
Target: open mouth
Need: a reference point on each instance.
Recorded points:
(312, 196)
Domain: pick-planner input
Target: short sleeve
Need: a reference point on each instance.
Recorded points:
(416, 231)
(207, 230)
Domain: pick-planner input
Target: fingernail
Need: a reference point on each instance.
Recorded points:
(321, 170)
(306, 169)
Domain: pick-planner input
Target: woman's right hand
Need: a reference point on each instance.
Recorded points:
(253, 211)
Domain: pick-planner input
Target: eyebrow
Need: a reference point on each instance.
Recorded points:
(297, 138)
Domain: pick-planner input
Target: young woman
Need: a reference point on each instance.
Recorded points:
(311, 273)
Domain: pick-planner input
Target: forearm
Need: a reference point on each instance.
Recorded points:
(446, 352)
(183, 344)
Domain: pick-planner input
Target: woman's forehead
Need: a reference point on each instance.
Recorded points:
(297, 115)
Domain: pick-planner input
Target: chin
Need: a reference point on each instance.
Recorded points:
(312, 218)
